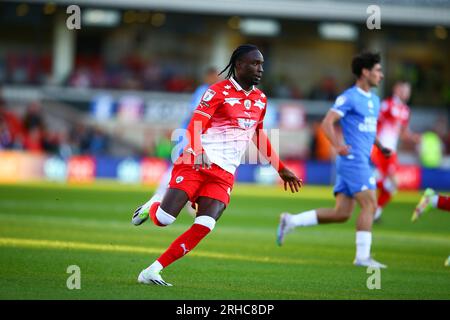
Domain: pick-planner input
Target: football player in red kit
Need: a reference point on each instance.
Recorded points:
(392, 125)
(230, 114)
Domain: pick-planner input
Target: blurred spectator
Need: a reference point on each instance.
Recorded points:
(325, 90)
(6, 139)
(50, 142)
(431, 150)
(79, 139)
(14, 124)
(33, 117)
(81, 78)
(65, 148)
(441, 128)
(284, 88)
(163, 147)
(321, 148)
(33, 140)
(34, 130)
(98, 142)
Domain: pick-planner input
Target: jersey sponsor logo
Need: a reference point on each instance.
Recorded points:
(225, 93)
(209, 94)
(247, 104)
(369, 125)
(179, 179)
(204, 104)
(246, 123)
(228, 87)
(260, 104)
(232, 101)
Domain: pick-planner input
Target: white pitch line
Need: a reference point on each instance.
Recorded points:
(63, 245)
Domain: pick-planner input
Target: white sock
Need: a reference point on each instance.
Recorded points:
(378, 213)
(164, 217)
(307, 218)
(206, 221)
(434, 200)
(155, 267)
(363, 244)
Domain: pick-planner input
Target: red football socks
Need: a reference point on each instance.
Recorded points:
(443, 203)
(384, 197)
(183, 244)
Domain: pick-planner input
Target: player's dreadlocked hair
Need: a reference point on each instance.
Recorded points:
(237, 53)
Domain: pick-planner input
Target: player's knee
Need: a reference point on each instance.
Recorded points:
(163, 218)
(370, 205)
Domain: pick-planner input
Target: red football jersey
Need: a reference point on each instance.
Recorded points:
(234, 117)
(393, 116)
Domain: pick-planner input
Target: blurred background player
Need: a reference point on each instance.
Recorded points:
(357, 110)
(230, 114)
(210, 77)
(393, 124)
(430, 199)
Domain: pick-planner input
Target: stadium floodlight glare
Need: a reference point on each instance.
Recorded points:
(100, 17)
(260, 27)
(338, 31)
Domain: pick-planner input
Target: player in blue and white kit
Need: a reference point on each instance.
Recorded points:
(357, 111)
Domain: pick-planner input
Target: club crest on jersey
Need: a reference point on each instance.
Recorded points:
(246, 123)
(179, 179)
(247, 104)
(339, 101)
(209, 94)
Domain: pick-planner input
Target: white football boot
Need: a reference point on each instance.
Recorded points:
(284, 227)
(141, 214)
(369, 262)
(148, 276)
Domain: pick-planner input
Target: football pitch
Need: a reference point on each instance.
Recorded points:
(47, 227)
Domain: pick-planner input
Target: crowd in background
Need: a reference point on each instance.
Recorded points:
(136, 73)
(29, 131)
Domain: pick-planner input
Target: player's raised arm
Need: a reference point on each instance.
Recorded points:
(328, 127)
(264, 146)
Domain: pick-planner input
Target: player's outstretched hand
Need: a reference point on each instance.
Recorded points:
(202, 161)
(290, 178)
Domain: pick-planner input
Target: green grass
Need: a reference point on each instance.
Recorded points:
(45, 227)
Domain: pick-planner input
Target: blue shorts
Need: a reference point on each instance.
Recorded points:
(353, 182)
